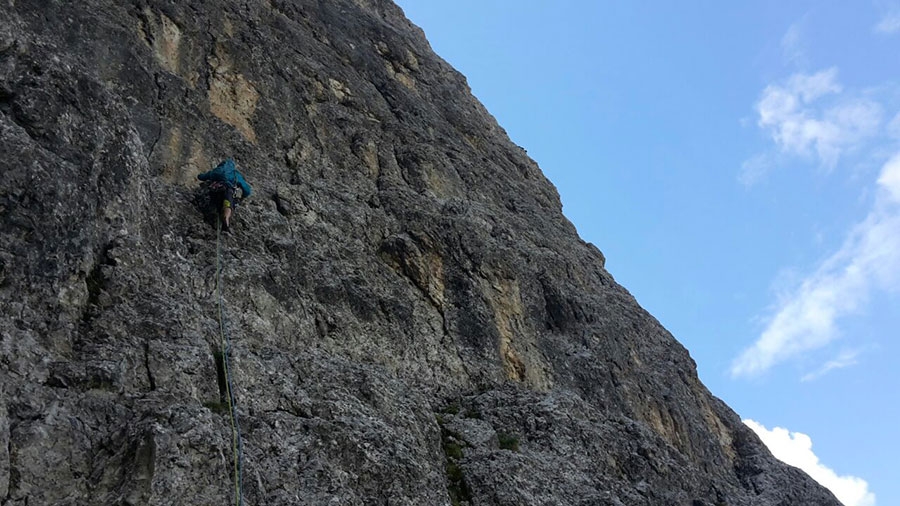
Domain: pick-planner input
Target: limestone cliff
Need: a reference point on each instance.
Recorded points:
(414, 321)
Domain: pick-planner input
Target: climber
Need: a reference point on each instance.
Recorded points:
(225, 177)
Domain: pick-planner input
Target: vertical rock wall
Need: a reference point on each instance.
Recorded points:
(414, 321)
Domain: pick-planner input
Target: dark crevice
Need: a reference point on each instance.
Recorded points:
(145, 464)
(294, 411)
(457, 488)
(14, 479)
(150, 379)
(96, 282)
(6, 99)
(282, 206)
(218, 358)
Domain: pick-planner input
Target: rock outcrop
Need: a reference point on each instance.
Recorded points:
(414, 321)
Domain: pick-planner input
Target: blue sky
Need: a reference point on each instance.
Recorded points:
(739, 165)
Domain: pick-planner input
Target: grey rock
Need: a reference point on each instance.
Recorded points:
(413, 319)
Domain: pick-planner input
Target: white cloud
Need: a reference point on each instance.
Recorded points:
(890, 178)
(799, 125)
(811, 87)
(795, 449)
(889, 23)
(847, 358)
(869, 259)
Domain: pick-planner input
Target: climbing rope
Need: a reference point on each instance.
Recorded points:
(236, 443)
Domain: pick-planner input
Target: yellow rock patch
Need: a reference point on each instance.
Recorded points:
(369, 154)
(517, 345)
(723, 435)
(232, 98)
(183, 158)
(338, 89)
(164, 37)
(397, 72)
(662, 422)
(424, 268)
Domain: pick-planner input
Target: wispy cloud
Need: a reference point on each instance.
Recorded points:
(795, 448)
(791, 113)
(793, 46)
(889, 23)
(894, 127)
(755, 169)
(868, 260)
(847, 358)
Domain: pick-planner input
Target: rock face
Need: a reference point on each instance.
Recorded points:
(414, 321)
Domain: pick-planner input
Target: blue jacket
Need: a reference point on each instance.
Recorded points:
(227, 173)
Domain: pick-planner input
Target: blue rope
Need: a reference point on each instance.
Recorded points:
(237, 444)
